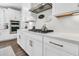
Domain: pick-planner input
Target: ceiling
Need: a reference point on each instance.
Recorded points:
(16, 6)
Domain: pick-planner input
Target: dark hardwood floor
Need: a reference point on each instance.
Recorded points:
(13, 43)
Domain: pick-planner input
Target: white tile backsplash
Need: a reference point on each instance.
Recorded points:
(68, 24)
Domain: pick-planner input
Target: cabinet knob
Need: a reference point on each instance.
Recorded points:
(56, 44)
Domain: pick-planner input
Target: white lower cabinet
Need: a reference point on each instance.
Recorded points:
(31, 44)
(25, 43)
(21, 40)
(54, 46)
(52, 51)
(38, 45)
(33, 47)
(37, 48)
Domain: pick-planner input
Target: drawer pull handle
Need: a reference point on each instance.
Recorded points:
(55, 44)
(30, 43)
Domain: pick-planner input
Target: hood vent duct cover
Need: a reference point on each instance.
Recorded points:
(41, 7)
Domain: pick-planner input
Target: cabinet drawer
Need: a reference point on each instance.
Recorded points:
(63, 45)
(34, 36)
(51, 51)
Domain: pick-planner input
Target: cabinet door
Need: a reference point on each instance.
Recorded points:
(34, 44)
(28, 47)
(37, 48)
(20, 40)
(66, 46)
(52, 51)
(27, 44)
(53, 47)
(31, 44)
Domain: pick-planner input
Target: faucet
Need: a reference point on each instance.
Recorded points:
(44, 28)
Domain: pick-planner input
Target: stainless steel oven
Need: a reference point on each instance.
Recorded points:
(14, 26)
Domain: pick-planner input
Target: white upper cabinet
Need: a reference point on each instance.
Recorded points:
(1, 18)
(64, 7)
(1, 14)
(11, 14)
(26, 14)
(7, 14)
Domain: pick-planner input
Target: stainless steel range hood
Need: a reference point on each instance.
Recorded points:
(41, 7)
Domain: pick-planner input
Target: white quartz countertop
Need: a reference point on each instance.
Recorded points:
(64, 36)
(68, 36)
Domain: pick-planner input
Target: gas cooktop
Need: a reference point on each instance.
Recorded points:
(40, 31)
